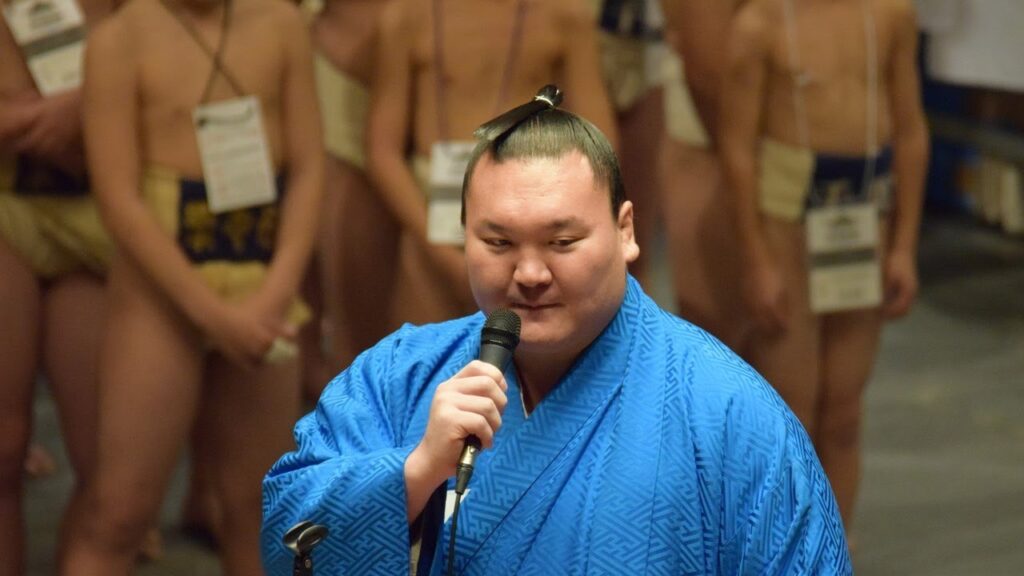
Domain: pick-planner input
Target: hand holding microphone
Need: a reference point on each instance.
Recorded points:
(466, 410)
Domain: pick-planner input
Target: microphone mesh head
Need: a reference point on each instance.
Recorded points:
(502, 327)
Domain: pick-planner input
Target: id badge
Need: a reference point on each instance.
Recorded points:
(448, 161)
(843, 257)
(51, 35)
(234, 153)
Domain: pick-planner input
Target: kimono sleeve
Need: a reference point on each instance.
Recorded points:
(787, 518)
(347, 474)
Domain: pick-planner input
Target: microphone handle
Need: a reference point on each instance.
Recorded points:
(495, 355)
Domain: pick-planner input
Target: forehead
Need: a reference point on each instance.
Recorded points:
(528, 185)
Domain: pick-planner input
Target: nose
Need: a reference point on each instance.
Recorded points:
(531, 271)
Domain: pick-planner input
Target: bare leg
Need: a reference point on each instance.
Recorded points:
(789, 360)
(255, 412)
(149, 386)
(315, 360)
(362, 281)
(19, 349)
(849, 346)
(850, 342)
(201, 514)
(75, 311)
(702, 249)
(640, 130)
(353, 224)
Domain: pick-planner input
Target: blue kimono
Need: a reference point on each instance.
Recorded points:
(660, 452)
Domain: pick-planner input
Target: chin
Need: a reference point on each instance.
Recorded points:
(542, 341)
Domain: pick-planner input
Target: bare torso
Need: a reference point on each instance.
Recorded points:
(680, 20)
(477, 35)
(830, 37)
(172, 71)
(344, 33)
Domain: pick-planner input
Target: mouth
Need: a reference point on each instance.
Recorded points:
(527, 308)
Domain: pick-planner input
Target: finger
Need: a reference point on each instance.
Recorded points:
(492, 372)
(35, 139)
(480, 386)
(477, 369)
(262, 344)
(472, 424)
(28, 142)
(481, 368)
(899, 303)
(482, 406)
(894, 310)
(15, 126)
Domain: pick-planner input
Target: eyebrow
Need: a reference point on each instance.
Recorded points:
(554, 225)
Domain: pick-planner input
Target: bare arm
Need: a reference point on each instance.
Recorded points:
(742, 93)
(19, 105)
(55, 135)
(585, 92)
(17, 116)
(910, 146)
(910, 134)
(696, 29)
(387, 130)
(304, 157)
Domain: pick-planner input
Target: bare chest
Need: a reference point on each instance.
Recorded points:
(176, 72)
(474, 45)
(827, 84)
(838, 46)
(484, 57)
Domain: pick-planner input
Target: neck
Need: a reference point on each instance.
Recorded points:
(201, 7)
(538, 375)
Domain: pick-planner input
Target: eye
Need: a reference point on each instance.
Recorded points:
(497, 242)
(564, 242)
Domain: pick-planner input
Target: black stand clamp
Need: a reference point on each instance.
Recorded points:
(301, 539)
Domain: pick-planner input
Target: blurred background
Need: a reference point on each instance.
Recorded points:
(943, 480)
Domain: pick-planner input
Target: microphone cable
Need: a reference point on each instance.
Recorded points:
(498, 339)
(451, 537)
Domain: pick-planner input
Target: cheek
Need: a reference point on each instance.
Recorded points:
(583, 271)
(487, 274)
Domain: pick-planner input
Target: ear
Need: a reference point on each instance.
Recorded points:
(627, 235)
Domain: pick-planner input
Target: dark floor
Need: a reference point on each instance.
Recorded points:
(943, 489)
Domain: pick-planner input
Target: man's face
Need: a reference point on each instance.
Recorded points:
(540, 240)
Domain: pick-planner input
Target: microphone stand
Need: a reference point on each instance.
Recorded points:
(301, 539)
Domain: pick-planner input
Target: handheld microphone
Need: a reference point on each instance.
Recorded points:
(498, 340)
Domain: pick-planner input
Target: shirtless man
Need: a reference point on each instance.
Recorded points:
(701, 243)
(493, 54)
(821, 113)
(53, 255)
(212, 247)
